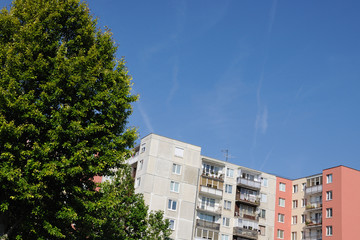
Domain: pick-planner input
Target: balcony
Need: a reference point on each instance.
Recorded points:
(315, 206)
(316, 236)
(313, 223)
(206, 224)
(206, 208)
(313, 189)
(247, 215)
(211, 191)
(246, 233)
(248, 199)
(249, 183)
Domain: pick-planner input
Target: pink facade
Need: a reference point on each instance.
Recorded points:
(345, 198)
(285, 210)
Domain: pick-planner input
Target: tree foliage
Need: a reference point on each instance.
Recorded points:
(63, 97)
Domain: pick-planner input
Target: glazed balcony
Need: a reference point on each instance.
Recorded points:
(213, 192)
(313, 190)
(316, 206)
(207, 208)
(245, 233)
(248, 199)
(208, 225)
(252, 184)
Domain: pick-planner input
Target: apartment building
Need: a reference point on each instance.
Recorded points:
(206, 198)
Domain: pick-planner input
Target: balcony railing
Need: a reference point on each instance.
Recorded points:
(248, 215)
(211, 191)
(313, 222)
(249, 183)
(208, 208)
(317, 236)
(247, 233)
(314, 206)
(206, 224)
(246, 198)
(313, 189)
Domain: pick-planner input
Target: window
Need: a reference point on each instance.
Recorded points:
(303, 186)
(207, 217)
(224, 237)
(262, 213)
(329, 231)
(295, 188)
(329, 178)
(143, 147)
(281, 202)
(176, 168)
(280, 234)
(303, 218)
(329, 195)
(226, 221)
(262, 230)
(141, 163)
(172, 224)
(179, 152)
(206, 234)
(295, 204)
(294, 220)
(302, 235)
(138, 181)
(329, 212)
(282, 187)
(230, 172)
(205, 202)
(228, 188)
(264, 182)
(227, 205)
(293, 236)
(303, 202)
(281, 217)
(174, 186)
(172, 205)
(263, 197)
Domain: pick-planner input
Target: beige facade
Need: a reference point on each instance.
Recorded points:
(299, 202)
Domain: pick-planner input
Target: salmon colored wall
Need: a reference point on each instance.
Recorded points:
(350, 203)
(287, 195)
(335, 203)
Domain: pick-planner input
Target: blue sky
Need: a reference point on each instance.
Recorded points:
(274, 82)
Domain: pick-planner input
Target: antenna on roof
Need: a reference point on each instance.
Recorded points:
(226, 154)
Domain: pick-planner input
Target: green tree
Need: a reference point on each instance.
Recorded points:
(63, 97)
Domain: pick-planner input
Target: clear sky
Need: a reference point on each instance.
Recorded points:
(275, 82)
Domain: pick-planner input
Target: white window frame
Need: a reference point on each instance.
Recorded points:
(282, 202)
(329, 195)
(329, 231)
(228, 188)
(227, 205)
(303, 186)
(294, 220)
(230, 172)
(293, 235)
(224, 237)
(173, 186)
(295, 188)
(329, 178)
(172, 205)
(280, 234)
(329, 213)
(264, 182)
(172, 224)
(263, 197)
(138, 182)
(176, 169)
(226, 221)
(281, 218)
(262, 213)
(303, 218)
(295, 204)
(303, 202)
(282, 187)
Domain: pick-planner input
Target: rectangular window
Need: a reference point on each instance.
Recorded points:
(226, 221)
(262, 213)
(282, 187)
(141, 163)
(262, 230)
(263, 197)
(230, 172)
(329, 212)
(174, 186)
(172, 205)
(329, 178)
(264, 182)
(329, 195)
(294, 220)
(280, 234)
(303, 186)
(176, 168)
(224, 237)
(302, 235)
(138, 181)
(228, 188)
(295, 188)
(295, 204)
(303, 202)
(303, 218)
(227, 205)
(293, 236)
(281, 217)
(143, 148)
(281, 202)
(329, 231)
(172, 224)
